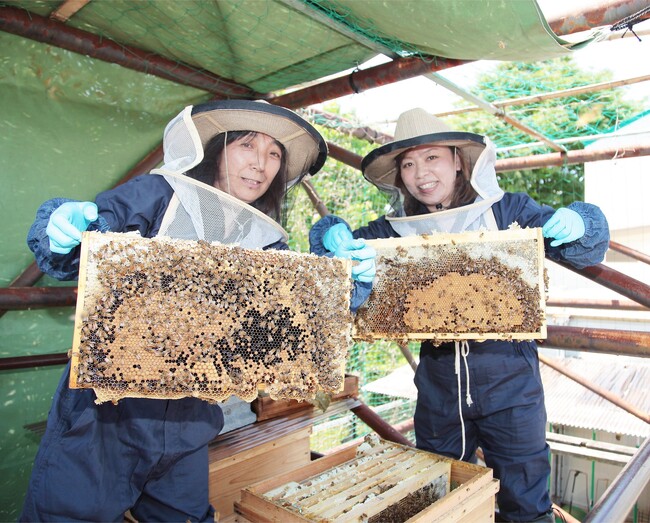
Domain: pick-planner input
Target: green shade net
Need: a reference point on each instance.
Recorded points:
(460, 29)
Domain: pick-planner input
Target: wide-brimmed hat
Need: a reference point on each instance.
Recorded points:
(417, 127)
(306, 148)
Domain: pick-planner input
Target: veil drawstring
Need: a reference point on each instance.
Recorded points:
(462, 349)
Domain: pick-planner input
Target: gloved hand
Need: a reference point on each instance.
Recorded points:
(359, 251)
(335, 235)
(564, 226)
(67, 223)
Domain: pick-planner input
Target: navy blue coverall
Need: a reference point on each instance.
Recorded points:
(95, 462)
(507, 418)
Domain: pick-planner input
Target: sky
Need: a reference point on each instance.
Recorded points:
(380, 107)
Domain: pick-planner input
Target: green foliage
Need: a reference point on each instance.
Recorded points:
(583, 114)
(342, 189)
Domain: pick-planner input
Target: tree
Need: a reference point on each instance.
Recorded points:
(582, 115)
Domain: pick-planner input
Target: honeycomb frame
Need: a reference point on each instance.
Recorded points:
(165, 318)
(474, 285)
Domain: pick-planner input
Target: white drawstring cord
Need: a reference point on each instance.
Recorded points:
(225, 157)
(462, 348)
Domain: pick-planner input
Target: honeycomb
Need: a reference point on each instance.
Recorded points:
(385, 482)
(165, 318)
(472, 285)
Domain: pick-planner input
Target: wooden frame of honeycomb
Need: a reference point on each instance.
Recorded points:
(383, 482)
(472, 285)
(165, 318)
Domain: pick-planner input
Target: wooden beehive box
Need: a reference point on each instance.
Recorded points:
(474, 285)
(164, 318)
(266, 407)
(374, 483)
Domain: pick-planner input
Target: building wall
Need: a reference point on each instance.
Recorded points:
(592, 478)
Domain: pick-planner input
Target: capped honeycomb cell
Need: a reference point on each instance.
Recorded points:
(165, 318)
(472, 285)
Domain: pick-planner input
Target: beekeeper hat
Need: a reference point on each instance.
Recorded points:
(417, 127)
(186, 136)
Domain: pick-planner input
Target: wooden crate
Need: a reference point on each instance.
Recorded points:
(229, 472)
(267, 408)
(469, 498)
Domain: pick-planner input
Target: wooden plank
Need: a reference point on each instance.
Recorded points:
(67, 9)
(264, 510)
(476, 507)
(256, 434)
(75, 378)
(228, 478)
(315, 467)
(295, 437)
(268, 408)
(358, 482)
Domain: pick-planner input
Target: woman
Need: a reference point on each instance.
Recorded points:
(226, 169)
(445, 181)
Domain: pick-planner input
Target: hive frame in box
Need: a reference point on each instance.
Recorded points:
(474, 285)
(470, 500)
(164, 318)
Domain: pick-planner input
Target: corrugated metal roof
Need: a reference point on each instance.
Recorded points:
(569, 403)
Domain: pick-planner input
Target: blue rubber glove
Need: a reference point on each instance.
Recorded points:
(67, 223)
(335, 235)
(564, 226)
(359, 251)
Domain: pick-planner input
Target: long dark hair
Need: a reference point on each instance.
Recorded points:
(271, 202)
(464, 193)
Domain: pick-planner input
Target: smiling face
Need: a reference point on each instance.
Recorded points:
(248, 166)
(429, 174)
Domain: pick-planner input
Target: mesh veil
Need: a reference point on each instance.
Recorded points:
(476, 216)
(198, 211)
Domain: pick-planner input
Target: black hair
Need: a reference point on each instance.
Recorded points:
(271, 202)
(464, 193)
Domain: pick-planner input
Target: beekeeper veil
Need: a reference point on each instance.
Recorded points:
(417, 127)
(199, 211)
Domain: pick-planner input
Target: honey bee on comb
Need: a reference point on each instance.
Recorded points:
(471, 285)
(165, 318)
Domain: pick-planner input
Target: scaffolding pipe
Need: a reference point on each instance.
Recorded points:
(604, 341)
(316, 201)
(30, 25)
(629, 252)
(493, 110)
(596, 389)
(564, 93)
(537, 161)
(615, 504)
(345, 126)
(23, 298)
(377, 423)
(359, 81)
(29, 362)
(598, 14)
(614, 280)
(621, 305)
(534, 161)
